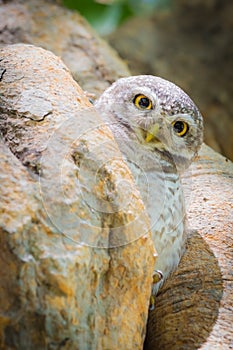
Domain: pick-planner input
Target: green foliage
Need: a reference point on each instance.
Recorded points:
(106, 17)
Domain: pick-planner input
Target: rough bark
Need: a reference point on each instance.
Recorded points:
(94, 65)
(76, 255)
(194, 309)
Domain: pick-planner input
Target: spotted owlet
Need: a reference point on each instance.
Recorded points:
(159, 131)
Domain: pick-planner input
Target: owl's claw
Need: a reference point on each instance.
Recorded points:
(152, 303)
(157, 276)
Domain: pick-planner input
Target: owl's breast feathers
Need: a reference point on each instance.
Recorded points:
(159, 130)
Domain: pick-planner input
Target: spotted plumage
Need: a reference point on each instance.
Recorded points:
(159, 131)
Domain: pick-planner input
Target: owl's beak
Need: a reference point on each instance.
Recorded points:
(151, 134)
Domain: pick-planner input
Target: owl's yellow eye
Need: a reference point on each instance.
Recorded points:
(181, 128)
(142, 102)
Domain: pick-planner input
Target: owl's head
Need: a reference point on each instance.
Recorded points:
(161, 116)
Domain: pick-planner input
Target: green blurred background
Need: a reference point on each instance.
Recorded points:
(106, 15)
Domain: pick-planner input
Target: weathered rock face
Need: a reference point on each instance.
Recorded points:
(77, 257)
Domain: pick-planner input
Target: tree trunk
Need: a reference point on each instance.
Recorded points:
(77, 257)
(194, 308)
(63, 285)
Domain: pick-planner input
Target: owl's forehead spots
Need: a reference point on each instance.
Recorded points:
(172, 99)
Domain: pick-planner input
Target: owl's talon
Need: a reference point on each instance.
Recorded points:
(157, 276)
(152, 303)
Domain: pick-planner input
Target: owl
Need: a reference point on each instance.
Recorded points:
(159, 131)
